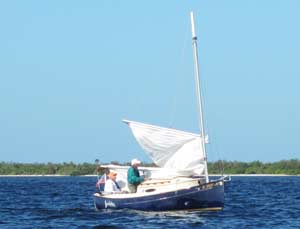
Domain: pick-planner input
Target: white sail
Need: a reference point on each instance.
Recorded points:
(170, 148)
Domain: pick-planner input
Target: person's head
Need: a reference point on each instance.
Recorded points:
(98, 169)
(135, 163)
(107, 171)
(112, 175)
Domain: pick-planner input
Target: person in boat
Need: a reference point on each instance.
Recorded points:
(111, 185)
(133, 176)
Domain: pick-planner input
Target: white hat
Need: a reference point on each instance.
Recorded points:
(135, 161)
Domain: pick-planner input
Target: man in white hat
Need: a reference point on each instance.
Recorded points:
(133, 176)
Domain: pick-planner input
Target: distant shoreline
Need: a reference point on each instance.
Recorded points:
(47, 175)
(257, 175)
(92, 175)
(235, 168)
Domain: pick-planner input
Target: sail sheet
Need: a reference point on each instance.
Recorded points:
(170, 148)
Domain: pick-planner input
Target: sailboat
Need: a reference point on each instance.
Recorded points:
(181, 181)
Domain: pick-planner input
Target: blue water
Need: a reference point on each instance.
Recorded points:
(66, 202)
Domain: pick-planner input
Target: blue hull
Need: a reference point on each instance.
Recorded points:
(206, 196)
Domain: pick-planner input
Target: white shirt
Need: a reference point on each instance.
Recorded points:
(111, 187)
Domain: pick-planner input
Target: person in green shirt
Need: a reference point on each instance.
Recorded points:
(133, 176)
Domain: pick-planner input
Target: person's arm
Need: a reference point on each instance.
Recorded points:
(118, 188)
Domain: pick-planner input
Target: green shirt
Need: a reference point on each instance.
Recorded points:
(133, 176)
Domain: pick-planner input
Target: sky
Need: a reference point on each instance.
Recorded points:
(70, 71)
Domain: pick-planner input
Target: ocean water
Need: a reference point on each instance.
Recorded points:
(67, 202)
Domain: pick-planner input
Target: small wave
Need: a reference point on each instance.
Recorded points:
(103, 226)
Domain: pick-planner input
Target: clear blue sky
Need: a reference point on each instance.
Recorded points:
(70, 71)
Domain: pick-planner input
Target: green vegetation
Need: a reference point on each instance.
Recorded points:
(46, 169)
(289, 167)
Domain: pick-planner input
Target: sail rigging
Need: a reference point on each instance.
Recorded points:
(174, 149)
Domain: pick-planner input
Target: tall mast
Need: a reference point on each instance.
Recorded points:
(197, 79)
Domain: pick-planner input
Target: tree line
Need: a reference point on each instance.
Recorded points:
(288, 167)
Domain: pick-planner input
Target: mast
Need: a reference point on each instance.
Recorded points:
(200, 105)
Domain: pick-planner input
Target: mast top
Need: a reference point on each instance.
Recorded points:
(194, 37)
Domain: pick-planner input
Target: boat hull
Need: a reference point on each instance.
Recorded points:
(208, 196)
